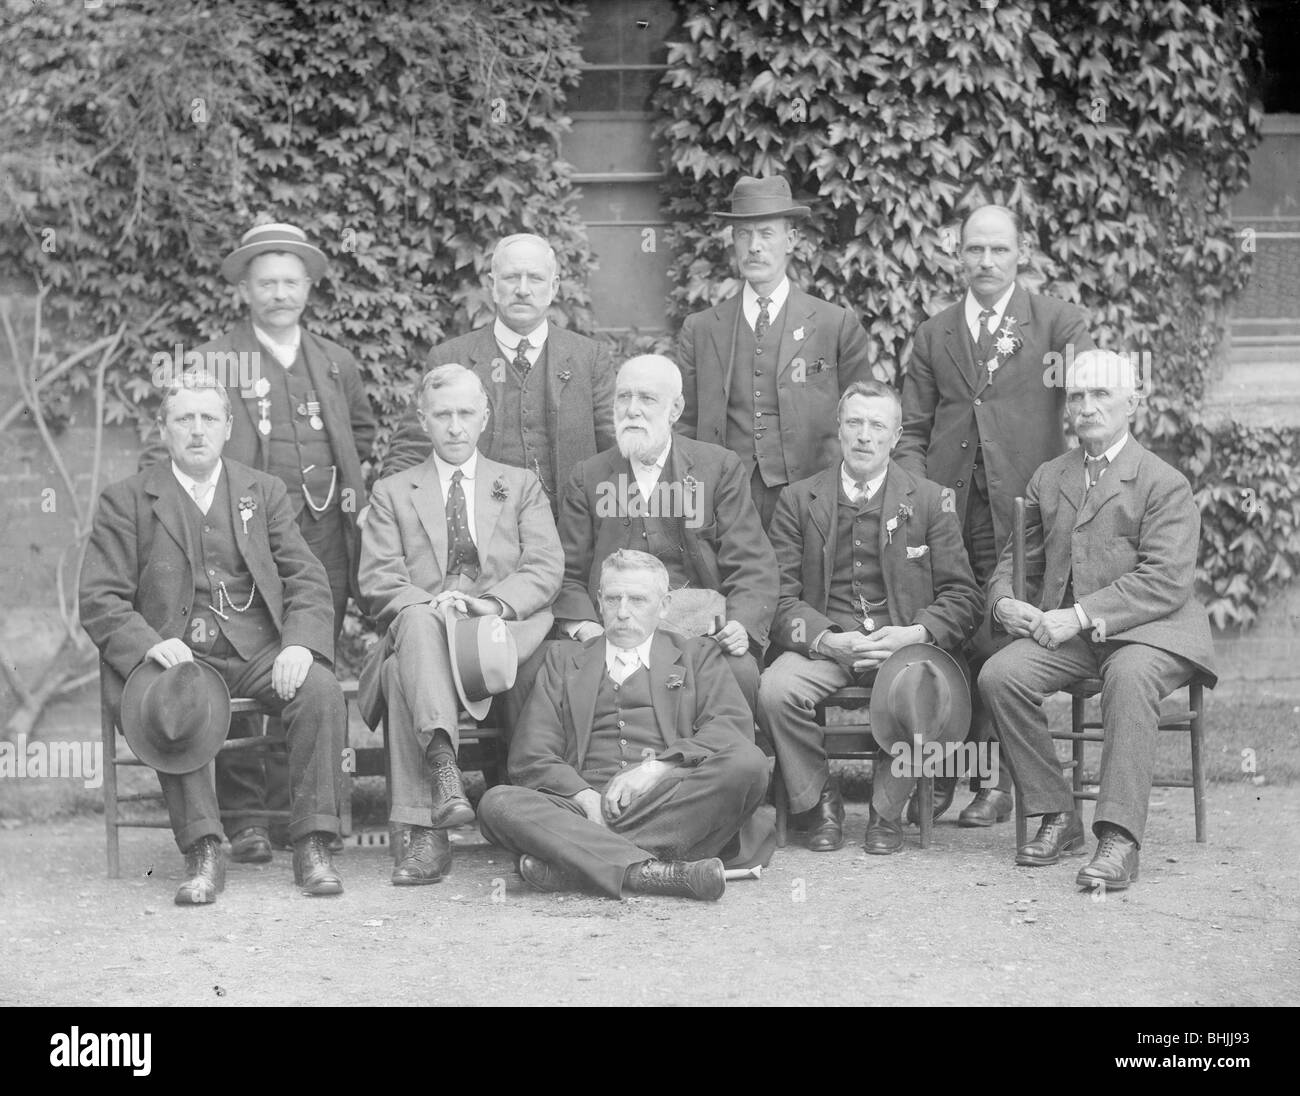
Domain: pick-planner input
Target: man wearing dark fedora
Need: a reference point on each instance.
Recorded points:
(201, 559)
(458, 532)
(634, 767)
(301, 414)
(982, 408)
(762, 371)
(551, 390)
(871, 561)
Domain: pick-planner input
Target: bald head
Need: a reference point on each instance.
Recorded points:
(647, 401)
(991, 252)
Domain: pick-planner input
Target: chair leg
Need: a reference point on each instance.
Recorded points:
(1195, 705)
(925, 806)
(781, 802)
(108, 734)
(1022, 823)
(1077, 712)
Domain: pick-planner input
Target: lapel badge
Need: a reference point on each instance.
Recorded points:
(798, 334)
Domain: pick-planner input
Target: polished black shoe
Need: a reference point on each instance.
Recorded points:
(883, 836)
(450, 807)
(701, 879)
(826, 820)
(425, 859)
(312, 870)
(205, 867)
(1059, 834)
(251, 845)
(540, 875)
(1114, 865)
(989, 806)
(944, 788)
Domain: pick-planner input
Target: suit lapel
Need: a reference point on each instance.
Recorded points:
(895, 493)
(1124, 468)
(169, 498)
(254, 549)
(557, 361)
(323, 374)
(957, 343)
(244, 341)
(484, 356)
(487, 510)
(426, 497)
(580, 688)
(822, 503)
(724, 331)
(798, 316)
(1017, 310)
(665, 664)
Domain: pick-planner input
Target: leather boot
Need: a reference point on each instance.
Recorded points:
(251, 845)
(312, 869)
(944, 788)
(540, 875)
(1115, 864)
(205, 867)
(1059, 834)
(450, 807)
(826, 827)
(702, 879)
(884, 835)
(989, 806)
(425, 859)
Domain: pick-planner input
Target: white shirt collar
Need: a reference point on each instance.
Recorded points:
(974, 308)
(285, 353)
(749, 301)
(1113, 451)
(642, 651)
(188, 482)
(647, 475)
(467, 470)
(851, 487)
(509, 340)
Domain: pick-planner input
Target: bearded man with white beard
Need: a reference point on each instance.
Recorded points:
(685, 502)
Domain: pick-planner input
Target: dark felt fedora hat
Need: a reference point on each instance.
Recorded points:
(920, 695)
(758, 199)
(484, 659)
(257, 241)
(175, 719)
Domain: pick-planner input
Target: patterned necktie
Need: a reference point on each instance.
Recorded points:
(625, 664)
(202, 493)
(1094, 467)
(764, 321)
(984, 346)
(521, 363)
(462, 556)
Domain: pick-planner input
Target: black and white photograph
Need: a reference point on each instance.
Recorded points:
(765, 503)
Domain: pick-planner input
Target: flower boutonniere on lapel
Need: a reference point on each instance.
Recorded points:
(565, 375)
(1005, 343)
(798, 334)
(904, 512)
(247, 506)
(499, 492)
(674, 681)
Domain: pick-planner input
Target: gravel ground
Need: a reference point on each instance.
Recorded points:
(955, 924)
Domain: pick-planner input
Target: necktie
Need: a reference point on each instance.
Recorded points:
(462, 556)
(984, 345)
(1094, 467)
(625, 664)
(202, 493)
(764, 321)
(521, 362)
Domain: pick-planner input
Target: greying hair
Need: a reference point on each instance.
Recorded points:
(872, 389)
(507, 242)
(666, 366)
(443, 376)
(1010, 215)
(629, 559)
(193, 382)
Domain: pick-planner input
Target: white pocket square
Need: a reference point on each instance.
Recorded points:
(918, 553)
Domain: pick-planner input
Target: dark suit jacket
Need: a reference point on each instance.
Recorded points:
(580, 418)
(812, 371)
(137, 581)
(726, 549)
(404, 551)
(345, 409)
(950, 410)
(1130, 546)
(936, 589)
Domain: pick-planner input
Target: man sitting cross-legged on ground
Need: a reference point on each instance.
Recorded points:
(633, 767)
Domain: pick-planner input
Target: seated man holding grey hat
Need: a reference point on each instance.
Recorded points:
(197, 584)
(633, 768)
(761, 371)
(872, 563)
(458, 543)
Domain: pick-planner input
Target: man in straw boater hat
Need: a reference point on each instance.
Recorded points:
(871, 562)
(200, 559)
(457, 536)
(300, 413)
(633, 768)
(762, 371)
(1113, 531)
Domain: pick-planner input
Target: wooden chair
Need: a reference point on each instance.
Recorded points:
(1188, 720)
(850, 742)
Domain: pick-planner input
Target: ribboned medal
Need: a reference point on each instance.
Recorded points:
(313, 410)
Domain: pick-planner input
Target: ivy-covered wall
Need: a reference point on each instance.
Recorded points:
(1120, 132)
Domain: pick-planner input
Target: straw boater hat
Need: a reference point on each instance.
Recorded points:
(920, 695)
(257, 241)
(175, 719)
(484, 659)
(758, 199)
